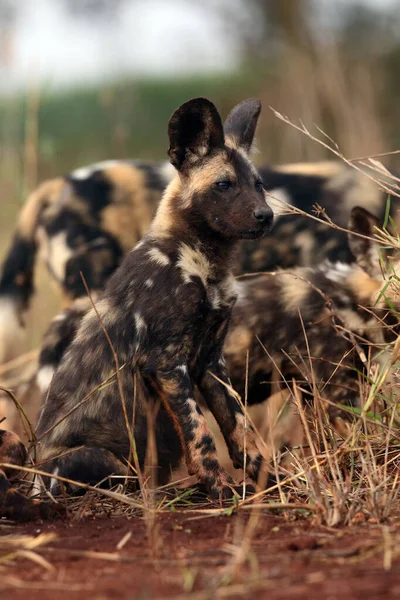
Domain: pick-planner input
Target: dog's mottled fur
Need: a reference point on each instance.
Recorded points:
(316, 325)
(79, 223)
(333, 313)
(166, 311)
(89, 219)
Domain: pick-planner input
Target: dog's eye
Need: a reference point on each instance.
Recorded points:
(259, 186)
(223, 185)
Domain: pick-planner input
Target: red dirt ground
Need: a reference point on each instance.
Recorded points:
(288, 559)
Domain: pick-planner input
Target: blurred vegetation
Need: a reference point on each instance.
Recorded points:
(123, 119)
(337, 69)
(334, 68)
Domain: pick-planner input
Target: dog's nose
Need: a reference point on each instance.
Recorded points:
(264, 215)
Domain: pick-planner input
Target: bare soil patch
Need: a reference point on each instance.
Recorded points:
(192, 554)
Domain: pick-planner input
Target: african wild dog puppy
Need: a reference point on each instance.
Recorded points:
(166, 310)
(348, 312)
(332, 299)
(86, 221)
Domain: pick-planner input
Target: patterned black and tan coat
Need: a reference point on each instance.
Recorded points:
(316, 325)
(166, 311)
(89, 219)
(320, 326)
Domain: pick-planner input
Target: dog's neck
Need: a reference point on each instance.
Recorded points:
(180, 222)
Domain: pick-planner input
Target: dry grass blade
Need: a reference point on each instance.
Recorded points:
(24, 546)
(29, 432)
(36, 558)
(124, 540)
(375, 165)
(124, 499)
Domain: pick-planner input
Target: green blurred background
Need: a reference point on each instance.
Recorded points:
(331, 63)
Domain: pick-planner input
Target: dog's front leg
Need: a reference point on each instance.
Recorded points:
(176, 392)
(217, 390)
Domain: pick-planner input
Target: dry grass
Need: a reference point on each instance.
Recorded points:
(13, 547)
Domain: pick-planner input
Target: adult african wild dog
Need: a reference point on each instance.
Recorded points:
(318, 325)
(86, 221)
(335, 313)
(166, 311)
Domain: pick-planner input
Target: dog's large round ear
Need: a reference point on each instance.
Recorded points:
(241, 124)
(194, 130)
(365, 251)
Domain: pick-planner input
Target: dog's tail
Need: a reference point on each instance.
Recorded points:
(16, 279)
